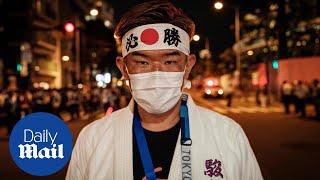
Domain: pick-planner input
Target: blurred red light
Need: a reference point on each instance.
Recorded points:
(69, 27)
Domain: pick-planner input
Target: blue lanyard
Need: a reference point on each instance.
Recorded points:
(142, 143)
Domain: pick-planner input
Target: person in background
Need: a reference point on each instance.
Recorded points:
(315, 97)
(229, 93)
(294, 96)
(286, 92)
(302, 91)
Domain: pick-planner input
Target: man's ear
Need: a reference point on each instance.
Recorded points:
(190, 63)
(122, 67)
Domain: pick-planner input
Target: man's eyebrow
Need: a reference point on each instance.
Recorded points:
(135, 53)
(172, 53)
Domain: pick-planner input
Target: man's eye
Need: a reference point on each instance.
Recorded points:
(142, 62)
(170, 62)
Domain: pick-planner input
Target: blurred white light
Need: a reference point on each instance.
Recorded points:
(80, 86)
(107, 23)
(210, 83)
(218, 5)
(208, 91)
(196, 37)
(304, 43)
(119, 83)
(94, 12)
(127, 82)
(220, 91)
(35, 85)
(65, 58)
(44, 85)
(107, 78)
(100, 84)
(36, 68)
(99, 77)
(250, 53)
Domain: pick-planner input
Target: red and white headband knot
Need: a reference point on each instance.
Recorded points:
(155, 37)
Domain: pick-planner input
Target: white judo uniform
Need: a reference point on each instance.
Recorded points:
(220, 149)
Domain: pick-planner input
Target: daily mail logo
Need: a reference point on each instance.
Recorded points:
(41, 140)
(32, 151)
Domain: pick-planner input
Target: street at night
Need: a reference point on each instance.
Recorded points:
(286, 147)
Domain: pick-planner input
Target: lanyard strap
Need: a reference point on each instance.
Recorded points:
(185, 143)
(143, 147)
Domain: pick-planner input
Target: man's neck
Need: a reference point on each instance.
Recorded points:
(160, 122)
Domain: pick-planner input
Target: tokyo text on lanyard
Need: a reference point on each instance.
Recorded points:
(185, 143)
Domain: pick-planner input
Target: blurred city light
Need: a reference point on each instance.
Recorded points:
(298, 43)
(69, 27)
(80, 86)
(44, 85)
(35, 85)
(99, 77)
(210, 83)
(220, 91)
(275, 64)
(208, 91)
(196, 37)
(119, 83)
(99, 3)
(65, 58)
(265, 50)
(107, 23)
(107, 78)
(94, 12)
(19, 67)
(250, 53)
(100, 84)
(218, 5)
(36, 68)
(274, 48)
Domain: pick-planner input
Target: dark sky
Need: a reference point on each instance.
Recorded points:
(215, 25)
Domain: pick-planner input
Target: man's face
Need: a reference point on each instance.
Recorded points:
(155, 60)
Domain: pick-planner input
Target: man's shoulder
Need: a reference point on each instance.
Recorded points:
(100, 126)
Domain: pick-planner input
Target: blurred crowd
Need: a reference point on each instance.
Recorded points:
(69, 102)
(300, 94)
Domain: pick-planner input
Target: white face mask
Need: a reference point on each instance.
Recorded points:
(156, 92)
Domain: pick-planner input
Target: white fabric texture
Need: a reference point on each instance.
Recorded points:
(104, 148)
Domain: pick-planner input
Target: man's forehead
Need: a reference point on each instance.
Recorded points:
(160, 52)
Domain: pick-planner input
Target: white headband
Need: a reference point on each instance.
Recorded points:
(155, 37)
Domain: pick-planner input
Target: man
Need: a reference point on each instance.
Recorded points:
(286, 94)
(315, 96)
(301, 93)
(161, 134)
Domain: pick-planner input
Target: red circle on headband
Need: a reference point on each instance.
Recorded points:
(149, 36)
